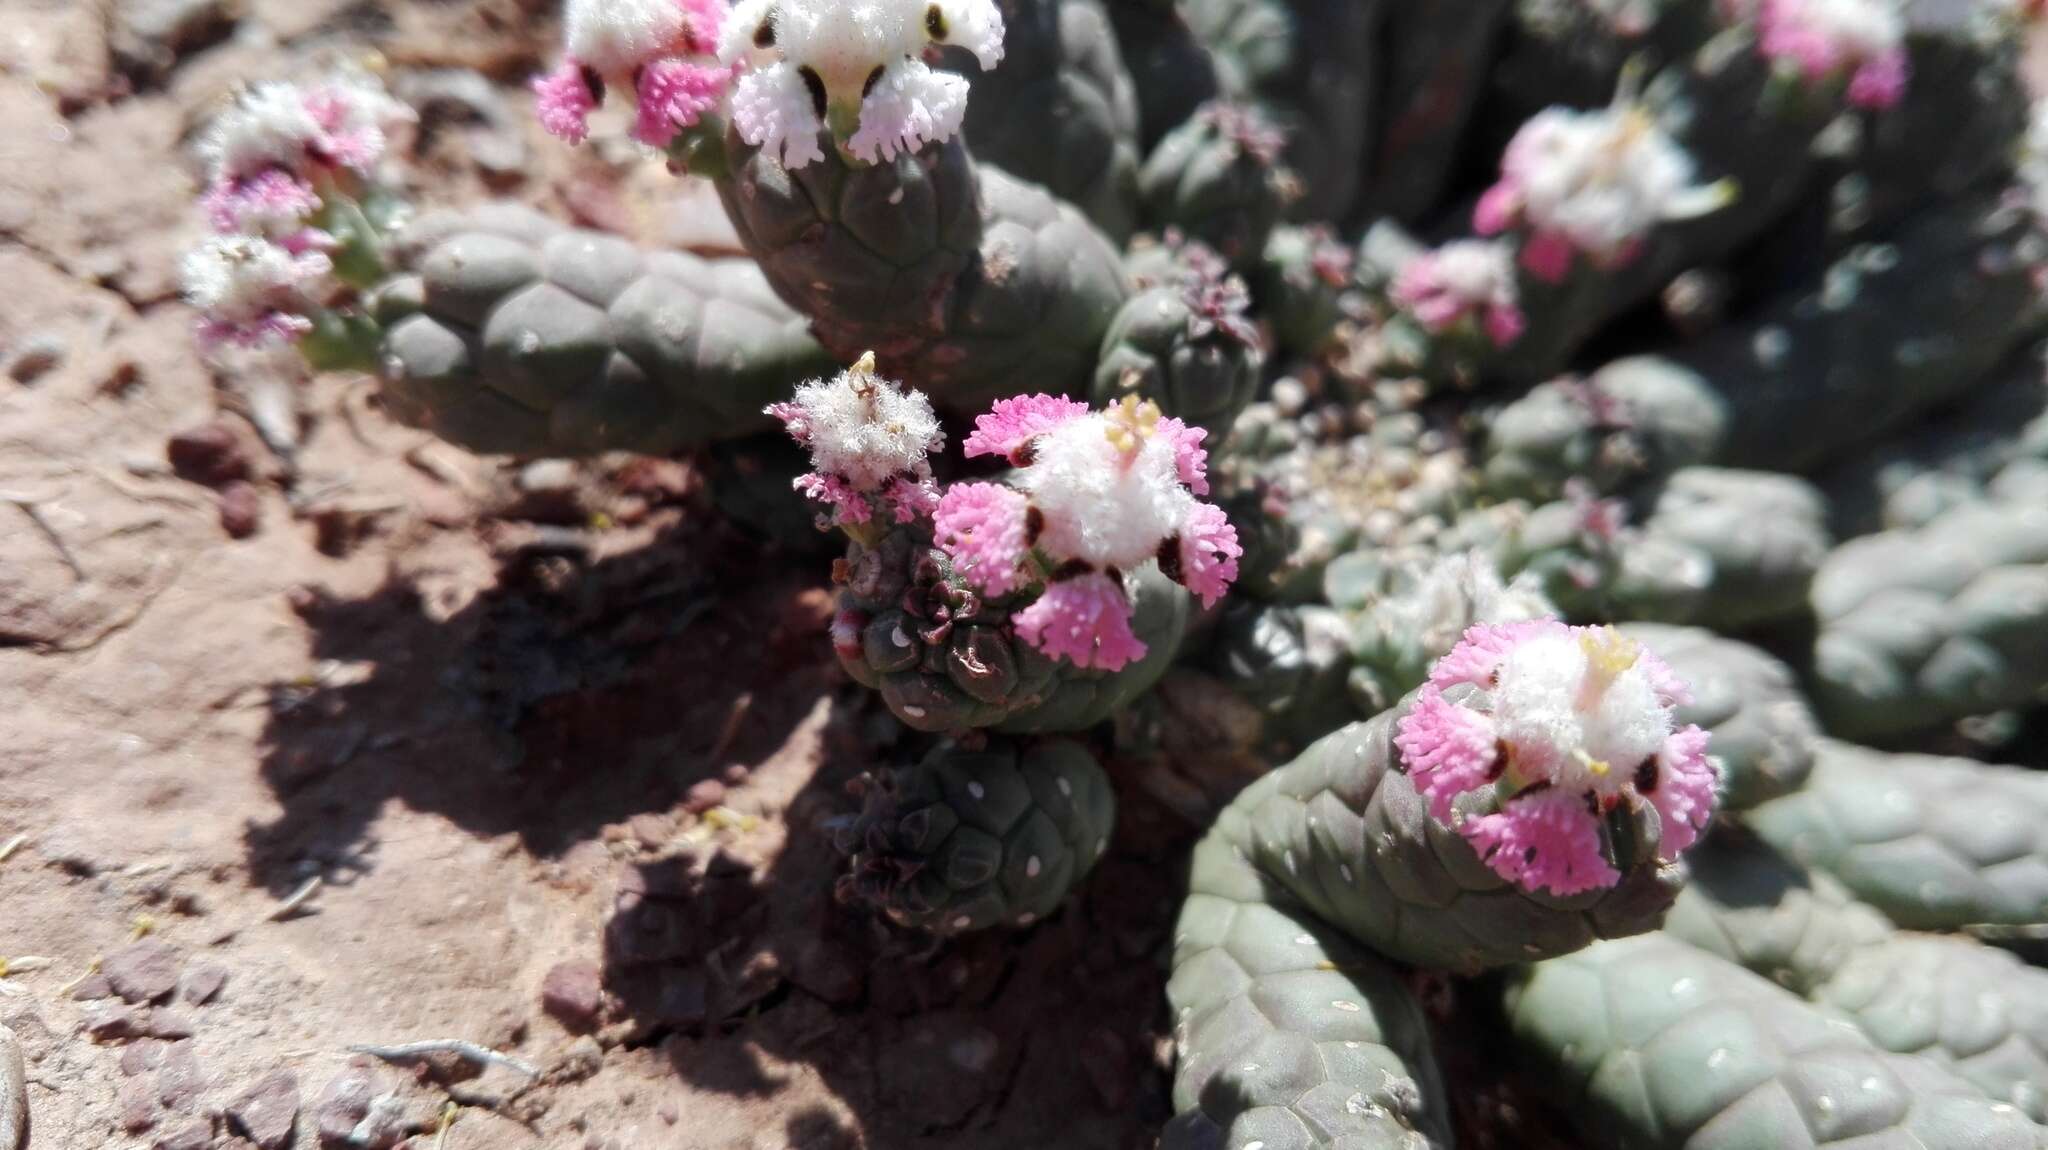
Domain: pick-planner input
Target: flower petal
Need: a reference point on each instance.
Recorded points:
(675, 94)
(1086, 621)
(1448, 750)
(1190, 458)
(909, 106)
(1546, 840)
(984, 527)
(1685, 791)
(976, 25)
(772, 109)
(1012, 423)
(1483, 647)
(1209, 552)
(563, 103)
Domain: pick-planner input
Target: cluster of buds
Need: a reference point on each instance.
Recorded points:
(286, 166)
(1857, 45)
(1565, 725)
(665, 52)
(1093, 495)
(870, 442)
(1592, 184)
(1464, 286)
(855, 68)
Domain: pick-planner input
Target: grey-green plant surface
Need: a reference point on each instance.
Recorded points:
(1976, 1009)
(1653, 1044)
(976, 838)
(515, 334)
(1923, 626)
(1935, 843)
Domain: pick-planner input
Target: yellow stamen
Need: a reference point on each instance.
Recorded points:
(1130, 423)
(1608, 654)
(1599, 767)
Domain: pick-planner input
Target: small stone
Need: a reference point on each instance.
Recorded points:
(37, 356)
(116, 1023)
(736, 774)
(703, 795)
(145, 971)
(93, 989)
(180, 1080)
(241, 510)
(202, 984)
(267, 1113)
(194, 1135)
(137, 1104)
(654, 830)
(669, 1113)
(167, 1024)
(142, 1057)
(344, 1102)
(210, 454)
(573, 994)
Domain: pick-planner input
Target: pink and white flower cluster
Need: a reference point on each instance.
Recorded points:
(663, 51)
(805, 60)
(275, 160)
(1568, 723)
(1463, 285)
(1827, 42)
(1592, 184)
(1094, 495)
(870, 442)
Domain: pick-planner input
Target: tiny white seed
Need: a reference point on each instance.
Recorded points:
(1032, 867)
(977, 790)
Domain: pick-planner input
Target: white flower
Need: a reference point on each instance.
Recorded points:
(250, 290)
(616, 36)
(1602, 178)
(269, 126)
(862, 429)
(1109, 487)
(809, 57)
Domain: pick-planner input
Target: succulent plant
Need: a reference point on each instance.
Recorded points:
(1341, 370)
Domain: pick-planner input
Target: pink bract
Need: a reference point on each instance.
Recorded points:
(1190, 458)
(1482, 648)
(835, 493)
(1209, 552)
(1086, 621)
(1684, 793)
(1546, 841)
(1448, 750)
(1011, 423)
(268, 197)
(674, 95)
(983, 526)
(565, 102)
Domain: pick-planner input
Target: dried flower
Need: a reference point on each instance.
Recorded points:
(870, 442)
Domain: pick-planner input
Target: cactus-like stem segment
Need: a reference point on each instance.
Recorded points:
(1921, 627)
(1762, 734)
(968, 839)
(966, 283)
(1655, 1045)
(1935, 843)
(514, 334)
(1981, 1012)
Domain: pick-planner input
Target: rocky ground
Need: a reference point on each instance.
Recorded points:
(318, 736)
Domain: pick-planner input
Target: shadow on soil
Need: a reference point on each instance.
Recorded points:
(579, 693)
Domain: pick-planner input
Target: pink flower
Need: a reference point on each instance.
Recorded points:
(1543, 841)
(985, 528)
(1592, 183)
(1860, 42)
(564, 100)
(674, 95)
(1095, 495)
(1190, 459)
(1013, 423)
(1566, 724)
(1447, 749)
(1085, 620)
(836, 493)
(1682, 788)
(1208, 554)
(1467, 284)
